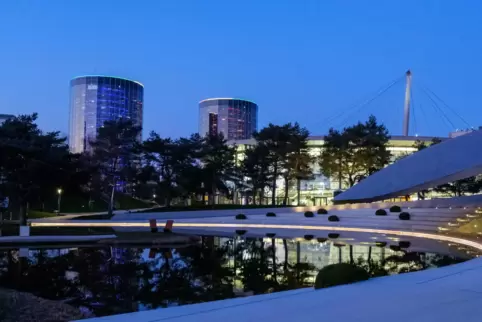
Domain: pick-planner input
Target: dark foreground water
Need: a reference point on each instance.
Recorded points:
(111, 280)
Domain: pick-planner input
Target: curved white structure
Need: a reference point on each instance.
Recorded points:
(451, 160)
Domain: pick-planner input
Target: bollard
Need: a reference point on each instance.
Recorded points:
(168, 226)
(153, 224)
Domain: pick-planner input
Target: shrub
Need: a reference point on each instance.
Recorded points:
(241, 216)
(381, 244)
(270, 214)
(404, 216)
(395, 209)
(322, 211)
(395, 248)
(309, 214)
(340, 274)
(270, 235)
(381, 212)
(240, 232)
(333, 235)
(321, 240)
(404, 244)
(309, 237)
(333, 218)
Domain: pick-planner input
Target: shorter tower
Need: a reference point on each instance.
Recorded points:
(236, 119)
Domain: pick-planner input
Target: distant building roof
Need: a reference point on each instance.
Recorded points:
(6, 116)
(225, 99)
(321, 137)
(127, 79)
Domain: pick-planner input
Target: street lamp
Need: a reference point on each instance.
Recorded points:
(154, 196)
(59, 192)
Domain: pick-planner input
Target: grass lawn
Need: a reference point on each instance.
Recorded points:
(80, 204)
(72, 203)
(94, 217)
(70, 231)
(35, 214)
(125, 202)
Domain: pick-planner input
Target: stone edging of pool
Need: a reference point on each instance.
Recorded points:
(186, 225)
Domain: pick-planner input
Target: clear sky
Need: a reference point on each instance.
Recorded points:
(300, 60)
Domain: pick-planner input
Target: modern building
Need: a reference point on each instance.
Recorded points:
(454, 159)
(97, 99)
(320, 190)
(235, 118)
(4, 117)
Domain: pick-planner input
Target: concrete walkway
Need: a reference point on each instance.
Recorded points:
(452, 293)
(51, 239)
(68, 216)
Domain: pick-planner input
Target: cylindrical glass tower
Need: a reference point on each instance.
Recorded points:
(96, 99)
(236, 118)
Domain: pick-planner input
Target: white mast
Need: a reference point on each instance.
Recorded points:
(406, 110)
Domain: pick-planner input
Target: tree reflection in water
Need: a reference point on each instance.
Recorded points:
(119, 280)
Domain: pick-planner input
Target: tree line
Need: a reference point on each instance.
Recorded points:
(34, 163)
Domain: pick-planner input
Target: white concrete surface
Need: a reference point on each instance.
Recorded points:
(468, 202)
(448, 294)
(423, 219)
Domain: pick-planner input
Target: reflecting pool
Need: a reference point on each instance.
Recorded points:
(105, 279)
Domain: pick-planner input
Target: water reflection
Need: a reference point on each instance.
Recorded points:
(108, 280)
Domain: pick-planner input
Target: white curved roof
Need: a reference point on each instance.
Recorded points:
(451, 160)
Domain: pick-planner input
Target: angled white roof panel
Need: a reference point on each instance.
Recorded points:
(453, 159)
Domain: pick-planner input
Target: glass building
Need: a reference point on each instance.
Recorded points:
(237, 119)
(320, 189)
(96, 99)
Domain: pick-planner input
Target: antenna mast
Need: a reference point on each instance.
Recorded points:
(406, 109)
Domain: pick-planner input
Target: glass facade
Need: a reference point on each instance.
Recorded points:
(320, 190)
(96, 99)
(237, 119)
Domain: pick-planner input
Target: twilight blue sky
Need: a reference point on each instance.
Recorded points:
(300, 60)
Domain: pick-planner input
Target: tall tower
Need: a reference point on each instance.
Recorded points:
(96, 99)
(406, 109)
(235, 118)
